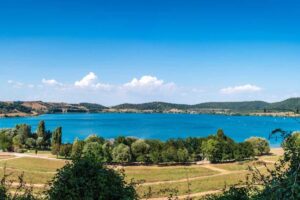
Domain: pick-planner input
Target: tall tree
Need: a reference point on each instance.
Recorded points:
(41, 130)
(56, 140)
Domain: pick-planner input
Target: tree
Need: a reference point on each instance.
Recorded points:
(243, 151)
(86, 178)
(5, 140)
(24, 130)
(121, 153)
(65, 150)
(169, 154)
(212, 150)
(155, 150)
(94, 138)
(182, 155)
(140, 150)
(281, 182)
(18, 141)
(93, 149)
(107, 151)
(41, 130)
(260, 145)
(77, 148)
(30, 143)
(56, 140)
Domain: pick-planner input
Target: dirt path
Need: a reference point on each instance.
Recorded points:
(199, 194)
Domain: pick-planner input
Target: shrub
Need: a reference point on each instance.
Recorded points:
(86, 178)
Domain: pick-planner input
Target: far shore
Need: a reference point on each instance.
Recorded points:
(258, 114)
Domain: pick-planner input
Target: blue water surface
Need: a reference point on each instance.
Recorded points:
(157, 126)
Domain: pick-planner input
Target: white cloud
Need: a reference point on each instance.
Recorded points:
(15, 84)
(86, 81)
(145, 81)
(50, 82)
(248, 88)
(148, 83)
(90, 81)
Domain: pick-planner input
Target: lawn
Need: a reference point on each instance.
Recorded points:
(156, 173)
(40, 171)
(33, 164)
(195, 186)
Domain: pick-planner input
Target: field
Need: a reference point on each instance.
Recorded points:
(154, 181)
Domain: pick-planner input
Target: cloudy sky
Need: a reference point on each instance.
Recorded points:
(112, 52)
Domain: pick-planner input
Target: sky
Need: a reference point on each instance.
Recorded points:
(134, 51)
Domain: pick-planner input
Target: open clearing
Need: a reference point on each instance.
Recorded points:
(193, 180)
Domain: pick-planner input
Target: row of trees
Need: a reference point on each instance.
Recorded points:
(215, 148)
(22, 138)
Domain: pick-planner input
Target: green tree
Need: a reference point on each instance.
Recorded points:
(5, 140)
(41, 130)
(18, 141)
(86, 178)
(169, 154)
(77, 148)
(182, 155)
(56, 140)
(212, 150)
(243, 151)
(94, 138)
(65, 150)
(121, 153)
(30, 143)
(23, 129)
(140, 150)
(107, 152)
(93, 149)
(260, 145)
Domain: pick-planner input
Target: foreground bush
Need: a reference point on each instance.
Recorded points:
(281, 183)
(88, 179)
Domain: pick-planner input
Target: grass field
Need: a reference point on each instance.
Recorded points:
(184, 179)
(155, 173)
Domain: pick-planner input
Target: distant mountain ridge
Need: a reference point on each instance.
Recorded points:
(24, 108)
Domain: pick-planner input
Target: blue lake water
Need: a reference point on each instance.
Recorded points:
(158, 126)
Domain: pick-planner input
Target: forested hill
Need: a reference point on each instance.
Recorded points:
(20, 108)
(289, 105)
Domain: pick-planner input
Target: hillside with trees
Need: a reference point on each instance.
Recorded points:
(20, 108)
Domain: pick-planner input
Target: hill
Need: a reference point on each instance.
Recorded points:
(20, 108)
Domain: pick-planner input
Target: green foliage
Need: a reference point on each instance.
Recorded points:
(182, 155)
(6, 142)
(93, 149)
(107, 152)
(94, 138)
(140, 150)
(169, 154)
(41, 130)
(30, 143)
(261, 146)
(282, 182)
(56, 140)
(65, 150)
(86, 178)
(77, 148)
(121, 153)
(24, 130)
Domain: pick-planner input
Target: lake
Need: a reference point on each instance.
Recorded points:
(158, 126)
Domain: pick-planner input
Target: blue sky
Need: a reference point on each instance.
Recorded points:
(112, 52)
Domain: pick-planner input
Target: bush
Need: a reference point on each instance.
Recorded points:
(260, 145)
(121, 153)
(86, 178)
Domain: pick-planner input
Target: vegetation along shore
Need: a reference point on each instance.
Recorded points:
(286, 108)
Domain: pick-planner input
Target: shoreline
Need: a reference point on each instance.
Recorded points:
(274, 114)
